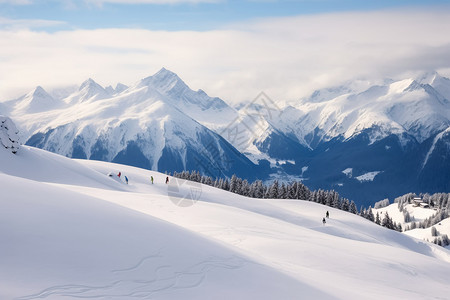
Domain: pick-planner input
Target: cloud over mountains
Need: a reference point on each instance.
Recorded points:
(286, 57)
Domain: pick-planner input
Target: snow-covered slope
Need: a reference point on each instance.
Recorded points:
(416, 214)
(70, 231)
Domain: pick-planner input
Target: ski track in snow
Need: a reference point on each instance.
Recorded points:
(151, 278)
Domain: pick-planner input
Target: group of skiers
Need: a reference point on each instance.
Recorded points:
(327, 215)
(324, 221)
(151, 178)
(126, 178)
(167, 179)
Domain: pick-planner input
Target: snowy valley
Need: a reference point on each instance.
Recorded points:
(71, 231)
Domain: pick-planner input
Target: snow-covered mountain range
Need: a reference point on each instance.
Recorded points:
(393, 135)
(154, 124)
(69, 230)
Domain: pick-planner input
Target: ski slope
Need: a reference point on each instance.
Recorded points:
(69, 231)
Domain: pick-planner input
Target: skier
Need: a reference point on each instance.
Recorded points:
(126, 179)
(167, 179)
(151, 178)
(324, 221)
(328, 214)
(119, 174)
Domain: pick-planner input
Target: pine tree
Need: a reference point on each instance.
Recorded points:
(245, 188)
(353, 208)
(313, 197)
(387, 221)
(330, 198)
(370, 215)
(273, 190)
(291, 190)
(434, 231)
(377, 219)
(345, 204)
(282, 192)
(321, 197)
(259, 189)
(336, 202)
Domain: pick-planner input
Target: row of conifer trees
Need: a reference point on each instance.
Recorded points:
(297, 190)
(257, 189)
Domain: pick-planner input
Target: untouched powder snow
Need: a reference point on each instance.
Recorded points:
(442, 227)
(69, 231)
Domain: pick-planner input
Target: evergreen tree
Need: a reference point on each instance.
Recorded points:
(245, 188)
(282, 192)
(321, 197)
(434, 231)
(259, 189)
(313, 197)
(292, 190)
(353, 208)
(370, 216)
(387, 221)
(330, 198)
(273, 190)
(336, 202)
(345, 204)
(233, 184)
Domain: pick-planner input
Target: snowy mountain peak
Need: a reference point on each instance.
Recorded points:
(328, 94)
(39, 92)
(90, 90)
(413, 86)
(165, 82)
(429, 77)
(164, 72)
(37, 100)
(439, 83)
(120, 87)
(196, 104)
(90, 84)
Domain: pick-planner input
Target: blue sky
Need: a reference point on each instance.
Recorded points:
(230, 49)
(182, 14)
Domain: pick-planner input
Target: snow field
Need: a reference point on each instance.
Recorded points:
(417, 214)
(70, 231)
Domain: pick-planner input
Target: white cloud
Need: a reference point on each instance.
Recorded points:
(15, 24)
(285, 57)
